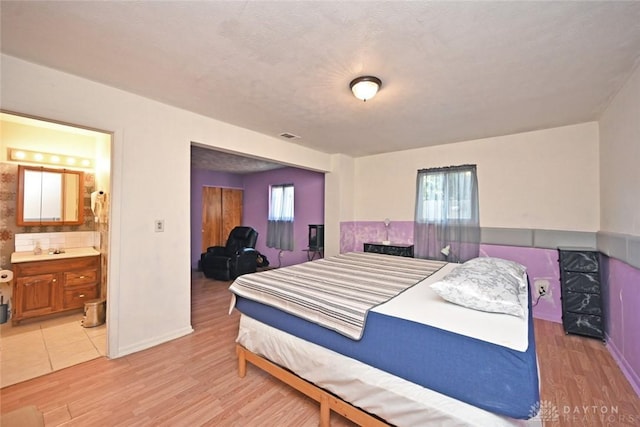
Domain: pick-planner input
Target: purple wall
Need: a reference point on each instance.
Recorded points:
(308, 209)
(354, 234)
(205, 178)
(622, 300)
(309, 206)
(542, 265)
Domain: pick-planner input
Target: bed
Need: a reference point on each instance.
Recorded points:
(396, 349)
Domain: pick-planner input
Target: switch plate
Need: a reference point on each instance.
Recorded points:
(159, 225)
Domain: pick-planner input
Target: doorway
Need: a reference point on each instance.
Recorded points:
(54, 145)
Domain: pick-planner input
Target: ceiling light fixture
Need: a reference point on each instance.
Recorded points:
(365, 87)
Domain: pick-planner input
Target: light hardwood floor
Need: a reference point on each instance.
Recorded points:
(193, 381)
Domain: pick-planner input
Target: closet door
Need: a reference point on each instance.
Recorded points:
(221, 212)
(231, 211)
(211, 217)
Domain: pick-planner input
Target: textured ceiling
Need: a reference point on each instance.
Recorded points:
(451, 71)
(203, 158)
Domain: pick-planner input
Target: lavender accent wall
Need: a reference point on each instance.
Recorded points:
(308, 209)
(353, 235)
(542, 265)
(205, 178)
(621, 302)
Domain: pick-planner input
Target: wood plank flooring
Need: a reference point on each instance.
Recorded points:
(193, 381)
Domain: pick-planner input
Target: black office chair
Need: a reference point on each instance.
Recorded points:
(238, 257)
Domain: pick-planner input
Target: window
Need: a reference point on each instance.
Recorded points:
(445, 196)
(447, 224)
(281, 215)
(281, 203)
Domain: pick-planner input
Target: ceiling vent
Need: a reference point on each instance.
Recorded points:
(289, 135)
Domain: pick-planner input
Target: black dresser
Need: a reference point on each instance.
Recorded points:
(580, 279)
(398, 249)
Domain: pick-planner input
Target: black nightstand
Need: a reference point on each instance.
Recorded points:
(582, 311)
(398, 249)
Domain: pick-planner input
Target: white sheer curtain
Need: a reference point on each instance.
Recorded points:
(280, 224)
(447, 223)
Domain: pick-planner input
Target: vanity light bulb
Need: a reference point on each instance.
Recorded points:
(86, 162)
(71, 160)
(38, 156)
(19, 154)
(55, 159)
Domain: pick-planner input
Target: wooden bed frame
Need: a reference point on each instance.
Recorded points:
(328, 401)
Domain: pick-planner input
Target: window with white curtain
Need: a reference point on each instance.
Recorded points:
(447, 224)
(281, 216)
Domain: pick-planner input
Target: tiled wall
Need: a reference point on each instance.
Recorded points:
(26, 242)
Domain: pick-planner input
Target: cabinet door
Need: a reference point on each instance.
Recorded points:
(36, 295)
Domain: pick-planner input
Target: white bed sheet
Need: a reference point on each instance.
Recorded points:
(397, 401)
(422, 305)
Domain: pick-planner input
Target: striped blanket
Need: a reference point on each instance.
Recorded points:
(335, 292)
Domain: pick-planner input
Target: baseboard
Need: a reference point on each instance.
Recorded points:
(143, 345)
(544, 316)
(627, 371)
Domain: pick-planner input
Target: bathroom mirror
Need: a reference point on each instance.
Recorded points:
(48, 196)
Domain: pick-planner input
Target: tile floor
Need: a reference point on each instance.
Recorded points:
(37, 348)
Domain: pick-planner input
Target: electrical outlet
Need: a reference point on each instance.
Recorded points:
(159, 225)
(542, 287)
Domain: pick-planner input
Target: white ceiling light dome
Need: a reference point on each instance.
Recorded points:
(365, 87)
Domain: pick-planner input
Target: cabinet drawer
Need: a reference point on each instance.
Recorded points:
(76, 297)
(579, 261)
(583, 324)
(581, 282)
(85, 277)
(582, 303)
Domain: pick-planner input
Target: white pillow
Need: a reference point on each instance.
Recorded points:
(485, 284)
(487, 264)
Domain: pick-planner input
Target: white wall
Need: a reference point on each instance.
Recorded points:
(149, 273)
(56, 141)
(545, 179)
(338, 201)
(620, 161)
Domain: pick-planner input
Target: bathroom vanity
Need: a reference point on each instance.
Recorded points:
(51, 283)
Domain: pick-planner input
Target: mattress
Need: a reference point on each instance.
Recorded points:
(399, 402)
(483, 367)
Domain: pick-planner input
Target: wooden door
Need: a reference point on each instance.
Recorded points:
(221, 211)
(211, 217)
(231, 211)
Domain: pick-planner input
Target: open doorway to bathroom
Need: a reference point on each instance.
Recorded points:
(43, 328)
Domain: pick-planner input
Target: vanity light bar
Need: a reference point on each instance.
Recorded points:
(48, 158)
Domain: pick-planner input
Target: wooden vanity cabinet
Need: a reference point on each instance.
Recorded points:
(52, 286)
